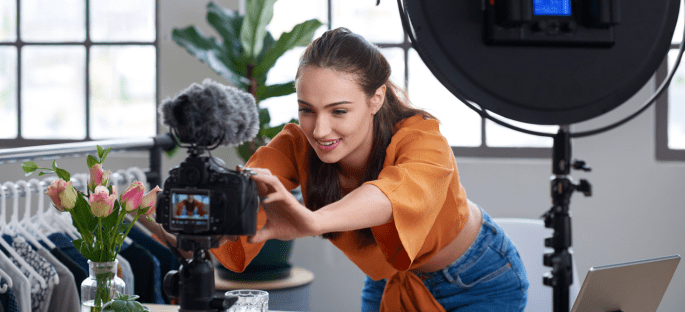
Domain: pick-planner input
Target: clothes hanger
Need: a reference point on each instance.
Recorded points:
(30, 226)
(7, 278)
(25, 224)
(22, 263)
(39, 217)
(27, 212)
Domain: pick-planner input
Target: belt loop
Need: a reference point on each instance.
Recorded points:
(446, 273)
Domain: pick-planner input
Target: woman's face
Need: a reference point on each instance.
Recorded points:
(337, 116)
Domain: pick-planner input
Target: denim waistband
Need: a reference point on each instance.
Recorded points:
(488, 231)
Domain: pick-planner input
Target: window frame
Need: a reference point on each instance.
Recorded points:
(19, 141)
(663, 152)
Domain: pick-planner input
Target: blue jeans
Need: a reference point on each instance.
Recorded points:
(489, 276)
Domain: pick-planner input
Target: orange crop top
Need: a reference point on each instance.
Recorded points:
(429, 206)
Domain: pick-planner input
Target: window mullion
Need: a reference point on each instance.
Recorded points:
(19, 45)
(87, 47)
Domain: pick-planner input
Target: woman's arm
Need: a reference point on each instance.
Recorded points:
(288, 219)
(365, 207)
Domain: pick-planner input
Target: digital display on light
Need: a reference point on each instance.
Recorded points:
(189, 208)
(552, 7)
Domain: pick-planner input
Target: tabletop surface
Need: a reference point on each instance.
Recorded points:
(171, 308)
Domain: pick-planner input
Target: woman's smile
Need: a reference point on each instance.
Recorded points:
(328, 145)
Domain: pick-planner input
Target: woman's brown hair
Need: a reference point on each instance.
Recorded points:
(343, 51)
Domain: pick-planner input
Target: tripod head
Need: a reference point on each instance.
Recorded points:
(193, 283)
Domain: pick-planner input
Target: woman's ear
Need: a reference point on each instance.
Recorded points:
(377, 99)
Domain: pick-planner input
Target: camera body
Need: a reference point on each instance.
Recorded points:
(202, 198)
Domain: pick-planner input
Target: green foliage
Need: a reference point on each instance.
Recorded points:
(124, 303)
(245, 53)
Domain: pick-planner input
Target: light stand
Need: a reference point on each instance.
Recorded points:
(558, 218)
(193, 283)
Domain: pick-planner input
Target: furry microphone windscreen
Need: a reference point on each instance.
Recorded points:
(203, 114)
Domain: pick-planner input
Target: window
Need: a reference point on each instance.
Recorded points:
(670, 107)
(76, 70)
(466, 131)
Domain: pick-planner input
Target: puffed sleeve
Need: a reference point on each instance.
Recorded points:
(279, 156)
(417, 172)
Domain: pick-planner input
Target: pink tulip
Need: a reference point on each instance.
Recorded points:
(98, 176)
(132, 196)
(54, 189)
(101, 202)
(150, 200)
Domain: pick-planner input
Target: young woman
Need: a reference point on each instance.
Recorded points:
(381, 183)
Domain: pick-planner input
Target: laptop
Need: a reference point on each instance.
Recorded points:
(627, 287)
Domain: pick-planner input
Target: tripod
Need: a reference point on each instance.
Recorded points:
(193, 283)
(558, 218)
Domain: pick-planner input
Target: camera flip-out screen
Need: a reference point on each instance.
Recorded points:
(189, 210)
(552, 7)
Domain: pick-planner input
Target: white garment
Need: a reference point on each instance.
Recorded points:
(20, 283)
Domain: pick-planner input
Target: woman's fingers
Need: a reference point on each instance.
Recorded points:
(261, 236)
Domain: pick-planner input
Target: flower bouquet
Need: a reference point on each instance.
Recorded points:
(98, 215)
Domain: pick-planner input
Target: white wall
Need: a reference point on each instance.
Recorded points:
(636, 211)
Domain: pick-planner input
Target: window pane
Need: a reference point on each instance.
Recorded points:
(678, 33)
(288, 13)
(676, 105)
(458, 123)
(378, 24)
(283, 108)
(500, 136)
(8, 92)
(122, 91)
(395, 57)
(53, 21)
(122, 20)
(52, 92)
(8, 16)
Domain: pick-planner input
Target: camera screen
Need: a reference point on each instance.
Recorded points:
(190, 209)
(552, 7)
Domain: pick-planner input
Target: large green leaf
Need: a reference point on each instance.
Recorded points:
(275, 90)
(258, 14)
(209, 52)
(267, 45)
(264, 117)
(300, 35)
(227, 24)
(82, 217)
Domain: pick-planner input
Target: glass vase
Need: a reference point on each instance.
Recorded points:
(101, 285)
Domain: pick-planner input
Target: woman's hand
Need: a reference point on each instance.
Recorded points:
(286, 218)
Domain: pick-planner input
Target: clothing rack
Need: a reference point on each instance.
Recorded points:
(145, 277)
(155, 146)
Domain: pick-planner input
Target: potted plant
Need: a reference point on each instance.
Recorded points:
(243, 56)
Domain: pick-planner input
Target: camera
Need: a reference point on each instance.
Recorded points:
(201, 197)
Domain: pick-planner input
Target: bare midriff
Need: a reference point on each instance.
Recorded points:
(458, 246)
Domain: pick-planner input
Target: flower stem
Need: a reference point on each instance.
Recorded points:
(130, 225)
(100, 241)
